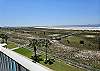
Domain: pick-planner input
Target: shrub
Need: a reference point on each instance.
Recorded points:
(81, 42)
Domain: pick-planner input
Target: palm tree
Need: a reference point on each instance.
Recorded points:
(33, 44)
(46, 45)
(3, 37)
(6, 38)
(46, 50)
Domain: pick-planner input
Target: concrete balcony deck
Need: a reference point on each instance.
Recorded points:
(25, 62)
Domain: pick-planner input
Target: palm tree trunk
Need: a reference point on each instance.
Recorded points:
(35, 55)
(46, 51)
(2, 40)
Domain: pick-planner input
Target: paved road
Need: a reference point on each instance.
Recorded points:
(27, 63)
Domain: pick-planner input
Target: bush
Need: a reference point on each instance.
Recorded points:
(45, 62)
(50, 61)
(81, 42)
(68, 41)
(36, 58)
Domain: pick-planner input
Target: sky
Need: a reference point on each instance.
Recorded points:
(49, 12)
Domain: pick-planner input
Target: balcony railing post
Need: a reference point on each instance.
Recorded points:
(8, 64)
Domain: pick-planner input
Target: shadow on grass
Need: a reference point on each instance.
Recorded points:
(39, 58)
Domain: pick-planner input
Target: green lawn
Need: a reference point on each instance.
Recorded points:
(11, 45)
(61, 66)
(24, 52)
(57, 66)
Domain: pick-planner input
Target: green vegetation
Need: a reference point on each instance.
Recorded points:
(11, 45)
(24, 52)
(96, 65)
(61, 66)
(74, 41)
(4, 37)
(78, 39)
(57, 66)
